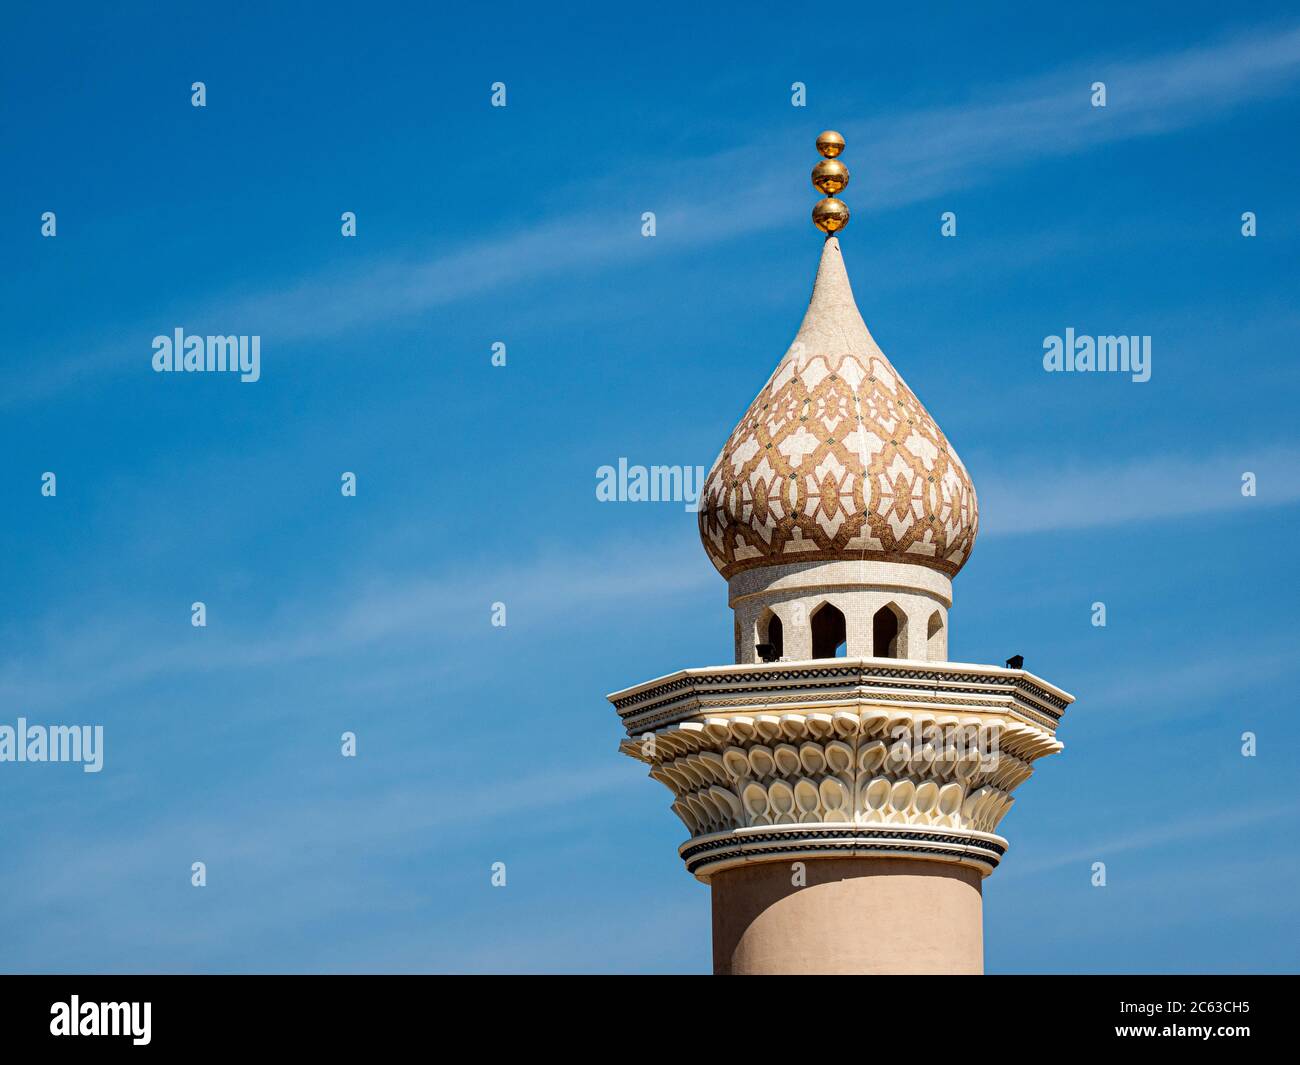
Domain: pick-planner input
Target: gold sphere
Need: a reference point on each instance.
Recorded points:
(830, 215)
(830, 143)
(830, 176)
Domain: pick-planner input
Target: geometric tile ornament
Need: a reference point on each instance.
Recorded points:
(837, 458)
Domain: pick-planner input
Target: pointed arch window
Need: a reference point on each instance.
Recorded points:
(887, 632)
(829, 632)
(771, 637)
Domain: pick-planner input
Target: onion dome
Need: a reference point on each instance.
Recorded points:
(836, 458)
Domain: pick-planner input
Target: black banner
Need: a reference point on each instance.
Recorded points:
(366, 1014)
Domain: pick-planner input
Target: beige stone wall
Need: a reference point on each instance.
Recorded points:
(858, 589)
(854, 916)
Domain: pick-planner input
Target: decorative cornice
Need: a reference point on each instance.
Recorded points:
(850, 682)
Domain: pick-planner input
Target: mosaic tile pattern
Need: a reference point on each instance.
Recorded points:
(837, 458)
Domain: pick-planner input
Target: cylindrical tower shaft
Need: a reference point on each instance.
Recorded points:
(848, 916)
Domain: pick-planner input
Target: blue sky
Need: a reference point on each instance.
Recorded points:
(476, 484)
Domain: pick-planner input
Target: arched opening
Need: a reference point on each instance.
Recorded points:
(887, 633)
(776, 637)
(935, 650)
(771, 638)
(829, 632)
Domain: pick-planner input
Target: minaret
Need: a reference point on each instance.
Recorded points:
(842, 782)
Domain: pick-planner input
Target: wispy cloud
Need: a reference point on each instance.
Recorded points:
(1203, 825)
(919, 155)
(284, 855)
(1148, 694)
(913, 156)
(1041, 498)
(395, 612)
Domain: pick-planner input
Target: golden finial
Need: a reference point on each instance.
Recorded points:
(829, 177)
(830, 215)
(830, 143)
